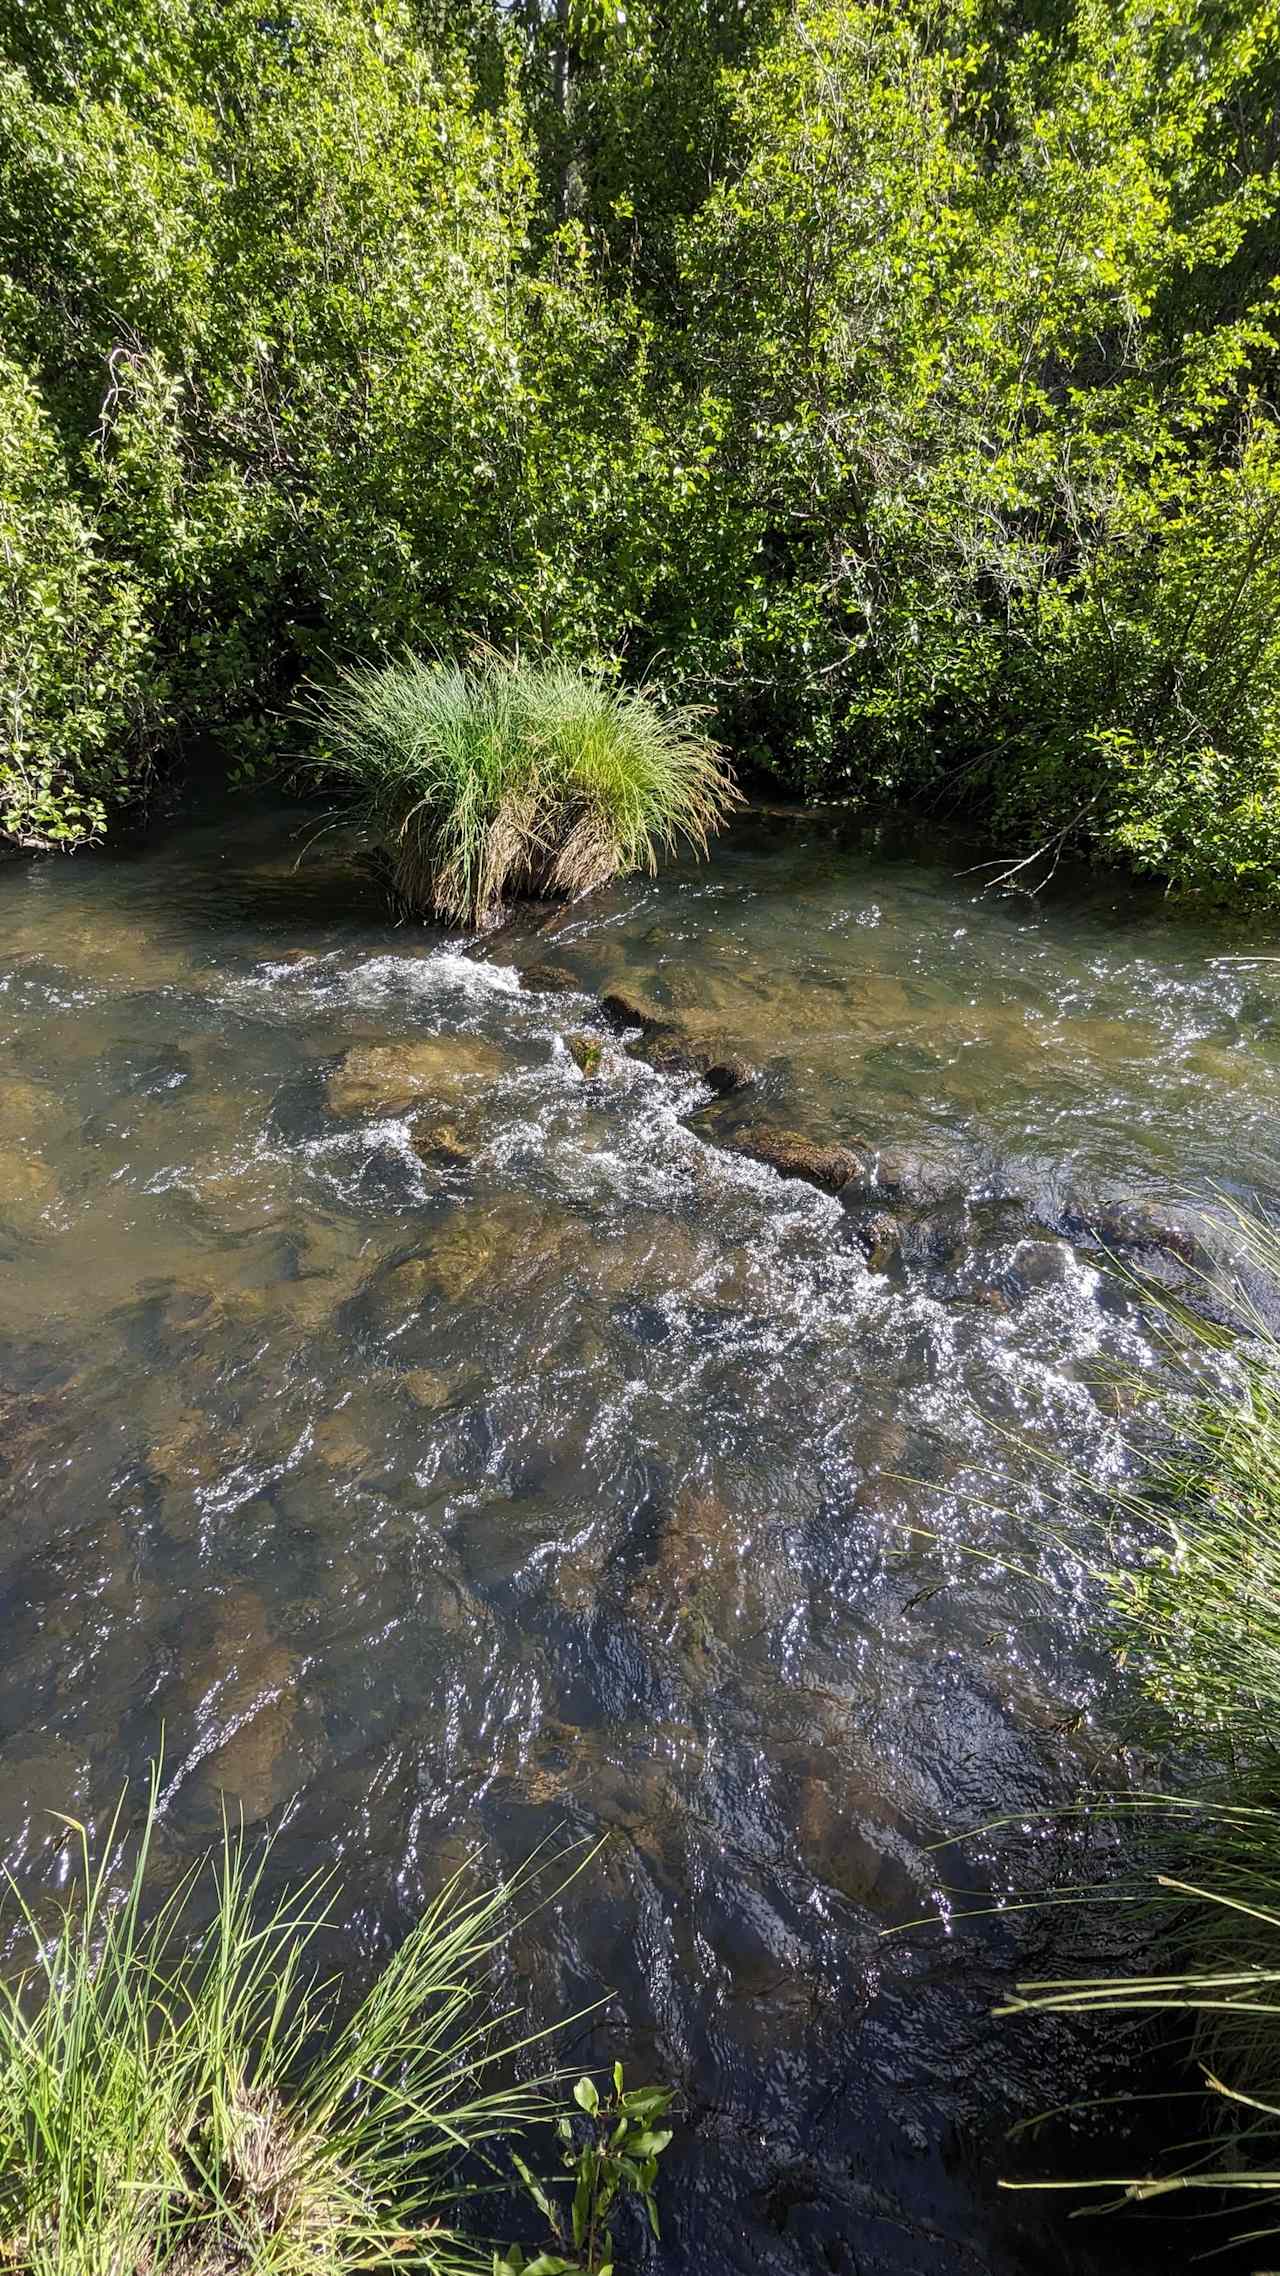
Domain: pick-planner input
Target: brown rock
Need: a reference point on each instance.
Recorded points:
(27, 1187)
(1132, 1225)
(898, 1174)
(549, 979)
(880, 1240)
(25, 1110)
(793, 1155)
(671, 1051)
(626, 1009)
(586, 1051)
(244, 1686)
(385, 1078)
(338, 1444)
(729, 1072)
(428, 1387)
(439, 1143)
(192, 1451)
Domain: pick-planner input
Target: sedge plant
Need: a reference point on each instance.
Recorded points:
(1195, 1615)
(183, 2089)
(500, 777)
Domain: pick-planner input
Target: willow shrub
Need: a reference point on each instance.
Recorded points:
(269, 280)
(904, 379)
(506, 777)
(78, 690)
(983, 317)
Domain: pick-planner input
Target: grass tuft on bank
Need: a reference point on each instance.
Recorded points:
(1197, 1618)
(502, 777)
(183, 2089)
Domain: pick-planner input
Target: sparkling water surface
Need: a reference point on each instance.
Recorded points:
(561, 1482)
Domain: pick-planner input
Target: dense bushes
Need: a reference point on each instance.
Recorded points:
(75, 671)
(899, 380)
(1005, 462)
(268, 276)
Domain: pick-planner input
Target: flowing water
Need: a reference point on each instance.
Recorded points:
(559, 1480)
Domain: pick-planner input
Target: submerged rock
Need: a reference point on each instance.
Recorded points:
(626, 1009)
(27, 1186)
(652, 1257)
(428, 1387)
(439, 1143)
(193, 1450)
(549, 980)
(701, 1579)
(880, 1239)
(901, 1175)
(490, 1247)
(26, 1110)
(793, 1155)
(1131, 1225)
(243, 1689)
(337, 1443)
(385, 1078)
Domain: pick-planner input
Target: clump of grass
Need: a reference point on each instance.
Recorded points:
(504, 777)
(181, 2090)
(1197, 1616)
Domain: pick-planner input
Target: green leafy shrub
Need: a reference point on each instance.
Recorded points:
(507, 777)
(308, 387)
(78, 693)
(903, 380)
(988, 325)
(611, 2154)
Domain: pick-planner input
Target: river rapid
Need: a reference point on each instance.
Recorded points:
(522, 1462)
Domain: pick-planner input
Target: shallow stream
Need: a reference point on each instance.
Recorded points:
(519, 1462)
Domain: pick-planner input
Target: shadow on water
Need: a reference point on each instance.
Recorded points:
(506, 1461)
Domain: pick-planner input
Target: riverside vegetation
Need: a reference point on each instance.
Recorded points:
(899, 382)
(508, 777)
(182, 2089)
(1195, 1608)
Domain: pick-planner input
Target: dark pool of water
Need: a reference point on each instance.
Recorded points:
(558, 1485)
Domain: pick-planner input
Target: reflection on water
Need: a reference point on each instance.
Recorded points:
(471, 1451)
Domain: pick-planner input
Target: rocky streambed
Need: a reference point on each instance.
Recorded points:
(555, 1386)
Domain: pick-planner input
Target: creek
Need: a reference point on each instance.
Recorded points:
(518, 1460)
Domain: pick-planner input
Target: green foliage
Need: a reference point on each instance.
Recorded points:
(610, 2158)
(271, 277)
(76, 685)
(507, 777)
(902, 379)
(181, 2088)
(990, 430)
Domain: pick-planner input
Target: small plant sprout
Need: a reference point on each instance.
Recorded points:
(611, 2151)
